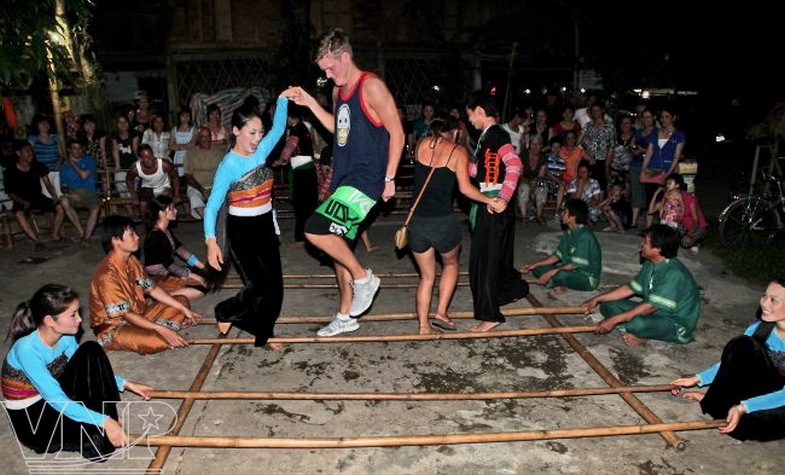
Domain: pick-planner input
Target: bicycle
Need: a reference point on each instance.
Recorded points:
(754, 220)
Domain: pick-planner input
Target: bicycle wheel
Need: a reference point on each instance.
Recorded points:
(748, 223)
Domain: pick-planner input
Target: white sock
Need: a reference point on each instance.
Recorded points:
(365, 279)
(342, 316)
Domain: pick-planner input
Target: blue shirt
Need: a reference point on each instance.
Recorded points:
(46, 153)
(764, 401)
(31, 355)
(233, 166)
(662, 158)
(72, 180)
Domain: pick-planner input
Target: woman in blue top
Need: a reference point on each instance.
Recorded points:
(748, 384)
(244, 183)
(641, 145)
(662, 154)
(46, 145)
(46, 375)
(49, 151)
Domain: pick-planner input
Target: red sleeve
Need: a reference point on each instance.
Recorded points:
(512, 165)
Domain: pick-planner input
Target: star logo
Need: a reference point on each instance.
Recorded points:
(150, 419)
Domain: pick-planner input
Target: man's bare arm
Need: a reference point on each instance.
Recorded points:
(378, 97)
(301, 97)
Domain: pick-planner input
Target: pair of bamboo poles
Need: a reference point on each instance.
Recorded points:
(653, 423)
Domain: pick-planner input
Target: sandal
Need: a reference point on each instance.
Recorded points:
(443, 324)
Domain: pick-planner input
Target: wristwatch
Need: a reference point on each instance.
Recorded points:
(389, 178)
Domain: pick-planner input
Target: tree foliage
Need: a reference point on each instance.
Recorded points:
(26, 32)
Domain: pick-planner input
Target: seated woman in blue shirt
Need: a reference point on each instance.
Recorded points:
(68, 391)
(748, 384)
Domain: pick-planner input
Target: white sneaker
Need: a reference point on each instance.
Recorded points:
(363, 294)
(694, 249)
(338, 326)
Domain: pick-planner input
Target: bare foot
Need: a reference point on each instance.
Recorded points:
(485, 326)
(224, 327)
(372, 248)
(632, 340)
(427, 330)
(694, 395)
(275, 346)
(558, 290)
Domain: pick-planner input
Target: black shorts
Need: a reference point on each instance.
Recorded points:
(40, 203)
(442, 233)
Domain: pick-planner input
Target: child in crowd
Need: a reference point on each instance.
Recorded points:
(671, 207)
(556, 167)
(616, 208)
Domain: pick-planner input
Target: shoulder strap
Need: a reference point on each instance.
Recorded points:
(424, 185)
(451, 152)
(763, 331)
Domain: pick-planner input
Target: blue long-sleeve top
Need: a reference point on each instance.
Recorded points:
(31, 355)
(233, 166)
(764, 401)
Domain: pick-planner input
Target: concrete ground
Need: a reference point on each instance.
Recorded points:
(508, 364)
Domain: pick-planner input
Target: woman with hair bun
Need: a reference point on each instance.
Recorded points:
(245, 183)
(54, 386)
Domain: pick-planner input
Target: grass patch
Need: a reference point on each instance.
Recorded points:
(760, 265)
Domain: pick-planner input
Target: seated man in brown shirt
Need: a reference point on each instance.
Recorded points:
(119, 314)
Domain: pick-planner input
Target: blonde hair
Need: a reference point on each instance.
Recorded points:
(333, 43)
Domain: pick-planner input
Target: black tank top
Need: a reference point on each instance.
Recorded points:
(437, 199)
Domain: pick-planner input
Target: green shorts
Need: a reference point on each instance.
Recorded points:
(341, 214)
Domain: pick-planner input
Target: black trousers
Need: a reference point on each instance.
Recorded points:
(254, 247)
(88, 378)
(305, 198)
(597, 171)
(492, 275)
(746, 371)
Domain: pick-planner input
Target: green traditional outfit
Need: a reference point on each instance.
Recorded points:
(671, 288)
(580, 248)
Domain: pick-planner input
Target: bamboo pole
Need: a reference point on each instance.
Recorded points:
(298, 396)
(182, 412)
(402, 441)
(397, 338)
(612, 381)
(384, 317)
(384, 285)
(332, 276)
